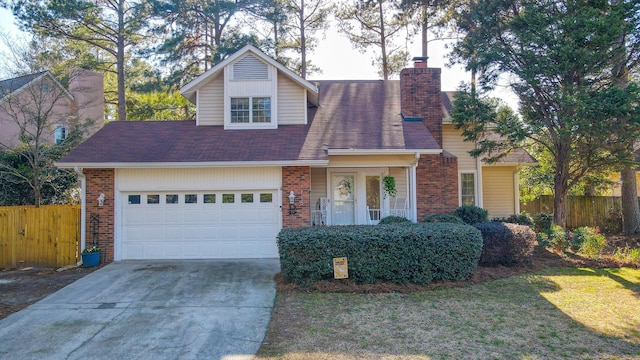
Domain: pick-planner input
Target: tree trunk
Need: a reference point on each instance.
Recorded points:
(425, 30)
(303, 44)
(560, 205)
(630, 210)
(122, 103)
(561, 183)
(383, 43)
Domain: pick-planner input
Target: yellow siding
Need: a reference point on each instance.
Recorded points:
(211, 102)
(371, 160)
(400, 175)
(318, 185)
(499, 190)
(292, 106)
(453, 143)
(615, 188)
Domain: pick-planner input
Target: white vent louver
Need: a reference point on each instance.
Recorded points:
(250, 68)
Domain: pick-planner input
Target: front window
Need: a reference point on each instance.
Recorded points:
(250, 110)
(468, 189)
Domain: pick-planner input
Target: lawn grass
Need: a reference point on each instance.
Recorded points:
(557, 313)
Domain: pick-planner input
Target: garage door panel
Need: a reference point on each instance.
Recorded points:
(196, 229)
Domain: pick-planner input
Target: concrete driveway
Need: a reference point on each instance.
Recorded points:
(195, 309)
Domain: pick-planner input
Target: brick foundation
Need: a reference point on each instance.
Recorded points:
(298, 180)
(101, 181)
(437, 185)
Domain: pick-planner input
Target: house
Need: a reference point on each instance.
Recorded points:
(269, 150)
(58, 109)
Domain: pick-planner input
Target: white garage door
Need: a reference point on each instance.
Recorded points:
(200, 225)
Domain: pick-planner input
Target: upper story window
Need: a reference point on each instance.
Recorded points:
(60, 134)
(247, 110)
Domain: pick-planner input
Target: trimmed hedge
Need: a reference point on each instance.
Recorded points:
(506, 244)
(472, 214)
(443, 218)
(411, 253)
(520, 219)
(392, 219)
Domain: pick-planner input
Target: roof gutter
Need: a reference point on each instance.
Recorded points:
(192, 164)
(383, 152)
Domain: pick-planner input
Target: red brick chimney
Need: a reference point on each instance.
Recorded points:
(420, 95)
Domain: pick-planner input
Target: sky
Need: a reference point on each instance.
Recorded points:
(339, 61)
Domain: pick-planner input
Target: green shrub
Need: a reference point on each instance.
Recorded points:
(471, 214)
(554, 238)
(627, 255)
(412, 253)
(506, 244)
(392, 219)
(542, 222)
(588, 241)
(443, 218)
(520, 219)
(613, 222)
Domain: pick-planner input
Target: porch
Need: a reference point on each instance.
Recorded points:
(356, 196)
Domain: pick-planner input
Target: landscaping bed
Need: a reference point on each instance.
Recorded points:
(21, 288)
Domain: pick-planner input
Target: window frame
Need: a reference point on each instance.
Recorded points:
(461, 196)
(254, 110)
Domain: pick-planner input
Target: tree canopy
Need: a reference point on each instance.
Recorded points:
(559, 56)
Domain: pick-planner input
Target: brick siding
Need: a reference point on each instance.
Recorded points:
(420, 96)
(437, 185)
(298, 180)
(101, 181)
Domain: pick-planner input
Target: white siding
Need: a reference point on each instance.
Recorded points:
(499, 190)
(292, 107)
(198, 179)
(454, 143)
(211, 103)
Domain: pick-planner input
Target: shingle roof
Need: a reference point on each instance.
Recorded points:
(359, 115)
(10, 85)
(363, 115)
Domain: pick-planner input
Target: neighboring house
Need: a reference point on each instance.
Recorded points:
(41, 96)
(220, 186)
(616, 187)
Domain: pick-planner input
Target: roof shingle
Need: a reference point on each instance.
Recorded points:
(359, 115)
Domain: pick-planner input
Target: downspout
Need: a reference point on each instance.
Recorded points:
(413, 202)
(516, 189)
(83, 208)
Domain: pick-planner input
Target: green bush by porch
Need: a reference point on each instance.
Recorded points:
(412, 253)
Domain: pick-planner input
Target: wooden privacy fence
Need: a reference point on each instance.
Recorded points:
(48, 236)
(581, 210)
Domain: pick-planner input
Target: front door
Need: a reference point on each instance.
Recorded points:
(344, 200)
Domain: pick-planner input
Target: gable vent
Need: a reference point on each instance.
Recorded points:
(250, 68)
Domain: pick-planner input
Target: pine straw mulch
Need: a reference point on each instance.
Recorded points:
(542, 259)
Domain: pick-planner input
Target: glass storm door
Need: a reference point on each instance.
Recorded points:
(343, 192)
(373, 198)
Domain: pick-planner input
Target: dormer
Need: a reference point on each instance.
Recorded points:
(250, 90)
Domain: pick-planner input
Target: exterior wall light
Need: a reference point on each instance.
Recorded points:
(292, 201)
(101, 200)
